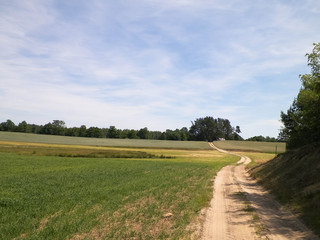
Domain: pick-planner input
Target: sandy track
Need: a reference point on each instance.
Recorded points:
(236, 199)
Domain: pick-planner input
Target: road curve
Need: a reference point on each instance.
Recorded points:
(242, 209)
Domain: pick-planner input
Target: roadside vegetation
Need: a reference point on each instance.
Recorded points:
(302, 120)
(294, 176)
(48, 195)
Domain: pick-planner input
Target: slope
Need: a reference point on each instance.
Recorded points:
(294, 177)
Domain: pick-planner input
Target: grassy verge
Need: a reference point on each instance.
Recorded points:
(52, 197)
(294, 178)
(249, 146)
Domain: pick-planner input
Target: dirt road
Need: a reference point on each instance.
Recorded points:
(241, 209)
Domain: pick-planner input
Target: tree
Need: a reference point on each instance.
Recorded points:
(184, 134)
(47, 129)
(302, 120)
(143, 133)
(58, 127)
(173, 135)
(74, 132)
(95, 132)
(132, 134)
(113, 132)
(83, 131)
(23, 127)
(210, 129)
(8, 126)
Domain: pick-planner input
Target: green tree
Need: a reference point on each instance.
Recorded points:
(23, 127)
(210, 129)
(58, 127)
(302, 120)
(113, 132)
(173, 135)
(184, 134)
(143, 133)
(47, 129)
(204, 129)
(74, 132)
(132, 134)
(8, 126)
(95, 132)
(83, 131)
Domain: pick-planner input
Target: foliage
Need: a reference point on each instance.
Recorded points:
(210, 129)
(302, 119)
(262, 139)
(8, 126)
(220, 127)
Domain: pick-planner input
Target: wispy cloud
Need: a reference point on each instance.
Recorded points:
(158, 64)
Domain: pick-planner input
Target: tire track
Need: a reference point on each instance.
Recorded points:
(227, 218)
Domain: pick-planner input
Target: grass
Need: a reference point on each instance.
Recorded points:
(294, 178)
(46, 196)
(263, 147)
(41, 149)
(132, 143)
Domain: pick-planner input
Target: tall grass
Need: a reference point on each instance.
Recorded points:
(51, 197)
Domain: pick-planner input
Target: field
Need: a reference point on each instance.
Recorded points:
(136, 143)
(90, 191)
(266, 147)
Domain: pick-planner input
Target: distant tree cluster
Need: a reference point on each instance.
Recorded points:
(302, 120)
(263, 139)
(211, 129)
(202, 129)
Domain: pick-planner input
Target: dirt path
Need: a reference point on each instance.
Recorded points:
(241, 209)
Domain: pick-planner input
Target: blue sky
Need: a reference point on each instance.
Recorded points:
(156, 64)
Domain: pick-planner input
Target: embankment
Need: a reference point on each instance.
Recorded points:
(294, 177)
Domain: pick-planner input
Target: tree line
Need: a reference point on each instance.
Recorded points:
(263, 139)
(202, 129)
(302, 120)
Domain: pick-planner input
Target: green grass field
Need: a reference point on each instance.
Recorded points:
(267, 147)
(46, 196)
(51, 139)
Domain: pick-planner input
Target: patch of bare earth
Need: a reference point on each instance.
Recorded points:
(241, 209)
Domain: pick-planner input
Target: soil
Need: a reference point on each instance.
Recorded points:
(242, 209)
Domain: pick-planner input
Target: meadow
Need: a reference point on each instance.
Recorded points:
(132, 143)
(67, 191)
(250, 146)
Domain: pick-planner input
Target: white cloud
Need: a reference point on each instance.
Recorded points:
(153, 63)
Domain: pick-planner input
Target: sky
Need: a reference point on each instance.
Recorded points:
(158, 64)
